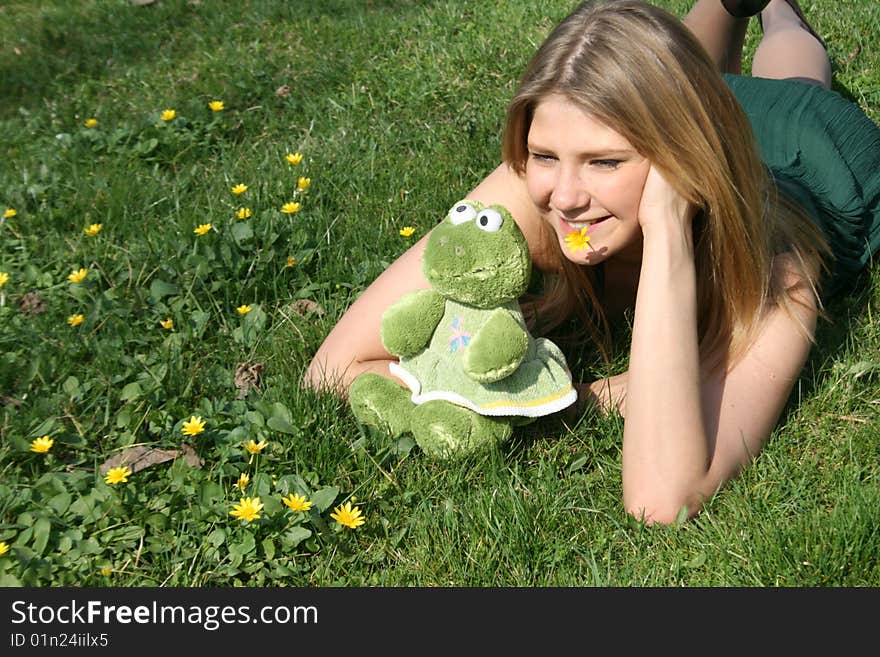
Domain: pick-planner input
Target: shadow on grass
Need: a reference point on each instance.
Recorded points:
(834, 336)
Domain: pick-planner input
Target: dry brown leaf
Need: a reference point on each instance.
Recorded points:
(140, 457)
(31, 303)
(304, 307)
(283, 91)
(247, 376)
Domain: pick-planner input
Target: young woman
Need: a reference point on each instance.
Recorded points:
(632, 166)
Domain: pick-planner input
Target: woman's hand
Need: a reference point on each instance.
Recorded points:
(661, 205)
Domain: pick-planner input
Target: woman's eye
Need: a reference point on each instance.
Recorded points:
(489, 220)
(541, 157)
(462, 212)
(606, 164)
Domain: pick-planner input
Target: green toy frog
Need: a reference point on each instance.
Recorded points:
(473, 370)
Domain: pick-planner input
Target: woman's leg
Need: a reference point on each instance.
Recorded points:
(720, 33)
(788, 49)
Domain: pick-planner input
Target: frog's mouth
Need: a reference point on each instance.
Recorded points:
(483, 286)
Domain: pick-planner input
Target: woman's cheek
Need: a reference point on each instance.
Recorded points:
(539, 185)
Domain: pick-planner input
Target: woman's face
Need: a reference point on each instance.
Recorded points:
(587, 181)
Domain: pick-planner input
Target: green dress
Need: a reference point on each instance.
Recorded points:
(824, 153)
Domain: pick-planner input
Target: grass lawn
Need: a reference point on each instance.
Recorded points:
(216, 262)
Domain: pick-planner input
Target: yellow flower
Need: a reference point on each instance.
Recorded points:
(290, 208)
(406, 231)
(202, 229)
(303, 183)
(106, 571)
(3, 278)
(294, 158)
(78, 275)
(91, 123)
(348, 517)
(297, 502)
(75, 320)
(4, 548)
(243, 213)
(194, 427)
(93, 229)
(248, 509)
(42, 445)
(216, 106)
(291, 261)
(578, 240)
(244, 309)
(243, 481)
(10, 212)
(117, 475)
(255, 448)
(240, 188)
(168, 115)
(166, 323)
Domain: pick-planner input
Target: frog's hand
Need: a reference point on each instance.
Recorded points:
(408, 324)
(497, 348)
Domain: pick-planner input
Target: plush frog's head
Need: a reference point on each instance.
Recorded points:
(478, 256)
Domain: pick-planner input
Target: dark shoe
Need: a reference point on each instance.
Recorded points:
(744, 8)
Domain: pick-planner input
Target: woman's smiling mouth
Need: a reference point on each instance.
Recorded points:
(591, 225)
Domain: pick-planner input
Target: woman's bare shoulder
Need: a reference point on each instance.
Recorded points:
(505, 187)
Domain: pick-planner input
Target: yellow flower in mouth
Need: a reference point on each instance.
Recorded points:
(578, 240)
(202, 229)
(91, 123)
(10, 212)
(78, 275)
(117, 475)
(297, 502)
(290, 208)
(93, 229)
(42, 445)
(294, 158)
(216, 106)
(3, 278)
(348, 517)
(406, 231)
(243, 213)
(240, 188)
(248, 509)
(243, 481)
(291, 261)
(194, 427)
(168, 115)
(4, 548)
(303, 183)
(255, 448)
(166, 323)
(243, 309)
(75, 320)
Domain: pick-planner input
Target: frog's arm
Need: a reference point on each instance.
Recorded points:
(408, 324)
(496, 349)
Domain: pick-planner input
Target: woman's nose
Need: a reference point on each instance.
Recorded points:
(569, 193)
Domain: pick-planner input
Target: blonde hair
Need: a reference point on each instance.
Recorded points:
(637, 69)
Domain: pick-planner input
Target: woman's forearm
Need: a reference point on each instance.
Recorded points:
(665, 451)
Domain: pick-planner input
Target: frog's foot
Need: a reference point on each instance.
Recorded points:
(379, 402)
(444, 430)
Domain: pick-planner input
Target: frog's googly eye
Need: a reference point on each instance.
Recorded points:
(489, 220)
(462, 212)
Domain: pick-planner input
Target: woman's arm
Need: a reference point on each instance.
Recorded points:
(687, 431)
(354, 345)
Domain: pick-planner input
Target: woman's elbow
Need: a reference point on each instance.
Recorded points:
(665, 509)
